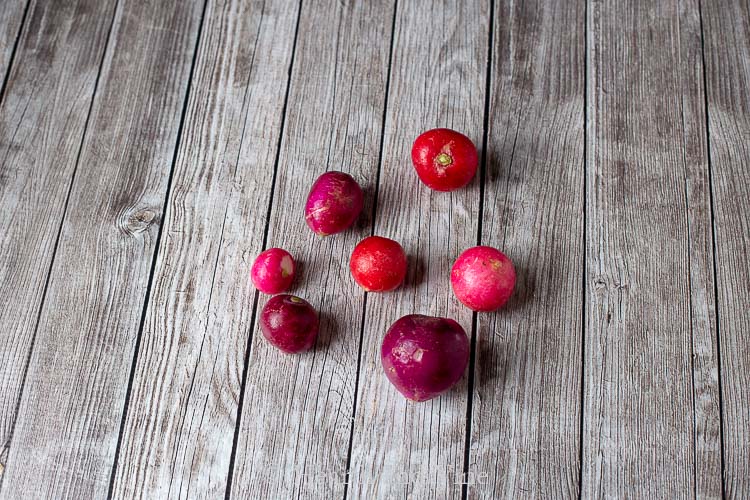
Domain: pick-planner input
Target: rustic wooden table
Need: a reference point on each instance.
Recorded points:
(150, 149)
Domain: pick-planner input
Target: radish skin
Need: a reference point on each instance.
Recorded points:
(424, 356)
(483, 278)
(334, 203)
(378, 264)
(289, 323)
(445, 160)
(273, 271)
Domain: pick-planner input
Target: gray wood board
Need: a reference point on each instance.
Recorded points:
(42, 122)
(726, 27)
(438, 78)
(181, 419)
(296, 419)
(650, 385)
(11, 17)
(527, 388)
(70, 411)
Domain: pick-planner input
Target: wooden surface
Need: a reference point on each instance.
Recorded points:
(648, 222)
(68, 421)
(422, 451)
(43, 119)
(525, 411)
(726, 32)
(333, 121)
(150, 150)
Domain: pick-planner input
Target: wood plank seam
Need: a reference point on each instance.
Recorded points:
(482, 179)
(713, 248)
(584, 277)
(412, 452)
(243, 383)
(155, 256)
(6, 446)
(372, 232)
(12, 57)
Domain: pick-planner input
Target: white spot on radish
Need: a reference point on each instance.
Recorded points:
(287, 266)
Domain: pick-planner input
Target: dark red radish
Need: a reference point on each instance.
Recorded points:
(424, 356)
(273, 271)
(444, 159)
(483, 278)
(289, 323)
(378, 264)
(334, 203)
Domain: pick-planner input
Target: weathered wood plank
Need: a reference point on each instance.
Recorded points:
(439, 66)
(11, 17)
(727, 56)
(69, 416)
(705, 354)
(650, 386)
(296, 418)
(42, 121)
(181, 419)
(527, 388)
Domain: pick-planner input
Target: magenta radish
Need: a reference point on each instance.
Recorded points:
(424, 356)
(289, 323)
(334, 203)
(273, 271)
(483, 278)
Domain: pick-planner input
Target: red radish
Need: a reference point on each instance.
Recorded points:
(378, 264)
(445, 160)
(424, 356)
(273, 271)
(483, 278)
(334, 203)
(289, 323)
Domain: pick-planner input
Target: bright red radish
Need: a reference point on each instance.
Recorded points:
(444, 159)
(273, 271)
(334, 203)
(424, 356)
(289, 323)
(483, 278)
(378, 264)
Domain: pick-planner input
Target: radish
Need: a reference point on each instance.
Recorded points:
(334, 203)
(483, 278)
(289, 323)
(444, 159)
(378, 264)
(424, 356)
(273, 271)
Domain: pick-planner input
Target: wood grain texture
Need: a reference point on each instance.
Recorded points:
(11, 17)
(527, 386)
(650, 384)
(70, 411)
(296, 419)
(438, 78)
(181, 419)
(726, 27)
(42, 121)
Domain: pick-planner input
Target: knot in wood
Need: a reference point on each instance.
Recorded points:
(140, 220)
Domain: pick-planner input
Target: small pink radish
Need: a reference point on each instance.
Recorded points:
(424, 356)
(334, 203)
(483, 278)
(273, 271)
(289, 323)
